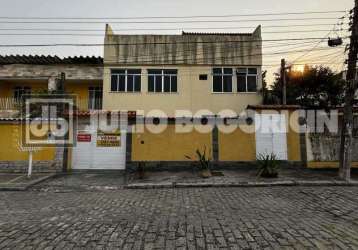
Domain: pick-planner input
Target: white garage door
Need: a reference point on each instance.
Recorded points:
(271, 135)
(89, 155)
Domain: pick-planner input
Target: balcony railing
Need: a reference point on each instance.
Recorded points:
(83, 104)
(9, 104)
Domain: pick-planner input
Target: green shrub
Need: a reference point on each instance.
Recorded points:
(268, 166)
(204, 161)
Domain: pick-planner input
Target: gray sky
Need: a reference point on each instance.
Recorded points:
(121, 8)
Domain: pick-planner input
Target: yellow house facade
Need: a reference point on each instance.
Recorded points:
(189, 75)
(191, 72)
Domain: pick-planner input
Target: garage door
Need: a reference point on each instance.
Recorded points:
(98, 150)
(271, 135)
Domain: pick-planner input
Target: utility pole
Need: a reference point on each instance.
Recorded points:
(283, 81)
(345, 160)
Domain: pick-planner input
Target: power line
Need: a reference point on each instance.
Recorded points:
(79, 34)
(177, 17)
(94, 35)
(336, 53)
(168, 29)
(319, 42)
(213, 58)
(166, 22)
(191, 52)
(177, 61)
(157, 43)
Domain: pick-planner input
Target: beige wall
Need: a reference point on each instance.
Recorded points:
(192, 94)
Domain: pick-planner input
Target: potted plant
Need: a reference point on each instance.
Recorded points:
(268, 166)
(204, 163)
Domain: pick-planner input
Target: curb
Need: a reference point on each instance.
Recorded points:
(27, 186)
(239, 184)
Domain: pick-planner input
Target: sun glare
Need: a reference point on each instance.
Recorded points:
(299, 68)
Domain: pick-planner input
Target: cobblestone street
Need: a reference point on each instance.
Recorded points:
(208, 218)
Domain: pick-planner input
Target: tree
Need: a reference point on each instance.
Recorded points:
(267, 94)
(316, 86)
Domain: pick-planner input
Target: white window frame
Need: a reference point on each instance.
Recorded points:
(125, 74)
(246, 78)
(222, 80)
(162, 75)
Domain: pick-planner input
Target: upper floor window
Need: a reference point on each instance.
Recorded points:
(246, 79)
(126, 80)
(222, 80)
(162, 80)
(19, 91)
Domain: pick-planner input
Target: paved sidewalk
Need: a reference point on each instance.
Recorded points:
(20, 181)
(83, 181)
(243, 177)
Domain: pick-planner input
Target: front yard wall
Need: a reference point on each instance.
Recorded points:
(13, 159)
(168, 145)
(237, 146)
(323, 151)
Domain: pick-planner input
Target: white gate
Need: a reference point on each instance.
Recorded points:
(88, 155)
(271, 135)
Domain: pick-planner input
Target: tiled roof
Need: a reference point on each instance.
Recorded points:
(46, 60)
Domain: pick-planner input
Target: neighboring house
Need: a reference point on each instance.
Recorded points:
(191, 71)
(33, 74)
(37, 74)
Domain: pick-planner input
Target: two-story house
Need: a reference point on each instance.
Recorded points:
(191, 71)
(21, 75)
(192, 75)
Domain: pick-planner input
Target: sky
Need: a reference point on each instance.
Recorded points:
(308, 51)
